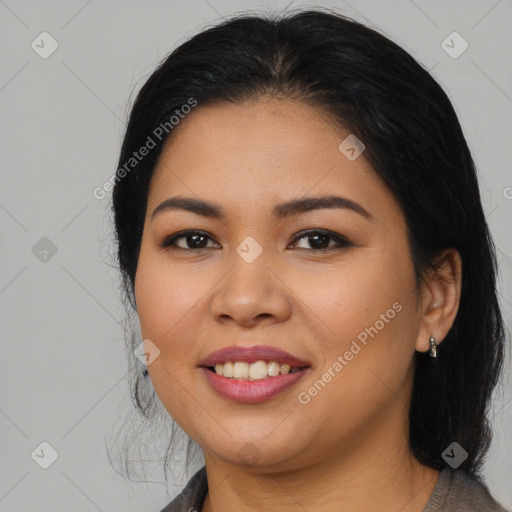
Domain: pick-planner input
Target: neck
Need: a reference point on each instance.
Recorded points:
(389, 491)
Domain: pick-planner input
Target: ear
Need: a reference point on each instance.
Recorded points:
(440, 297)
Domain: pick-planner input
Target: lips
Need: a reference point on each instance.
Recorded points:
(251, 355)
(248, 390)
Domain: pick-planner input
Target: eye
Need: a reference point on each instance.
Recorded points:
(320, 239)
(189, 240)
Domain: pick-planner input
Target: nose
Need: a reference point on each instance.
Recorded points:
(250, 294)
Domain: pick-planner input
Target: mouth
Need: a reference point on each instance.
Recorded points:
(243, 370)
(252, 374)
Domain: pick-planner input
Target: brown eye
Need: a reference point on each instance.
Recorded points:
(321, 240)
(188, 240)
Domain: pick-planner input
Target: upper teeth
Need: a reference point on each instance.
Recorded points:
(253, 371)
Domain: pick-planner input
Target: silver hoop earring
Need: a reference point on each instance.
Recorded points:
(433, 347)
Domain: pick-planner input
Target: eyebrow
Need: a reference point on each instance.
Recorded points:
(280, 211)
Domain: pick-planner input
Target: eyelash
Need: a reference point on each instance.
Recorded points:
(168, 243)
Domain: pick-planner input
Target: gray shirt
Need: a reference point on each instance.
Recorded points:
(455, 491)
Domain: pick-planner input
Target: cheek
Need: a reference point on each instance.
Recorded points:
(164, 295)
(165, 299)
(369, 307)
(351, 296)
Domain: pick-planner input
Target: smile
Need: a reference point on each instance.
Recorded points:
(252, 374)
(253, 371)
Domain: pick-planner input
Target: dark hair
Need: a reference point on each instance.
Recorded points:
(375, 89)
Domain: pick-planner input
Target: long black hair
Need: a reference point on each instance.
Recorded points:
(371, 86)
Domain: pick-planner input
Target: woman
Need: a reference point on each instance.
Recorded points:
(301, 234)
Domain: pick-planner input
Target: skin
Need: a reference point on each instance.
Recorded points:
(347, 448)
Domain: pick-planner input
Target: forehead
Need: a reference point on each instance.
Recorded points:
(262, 125)
(259, 152)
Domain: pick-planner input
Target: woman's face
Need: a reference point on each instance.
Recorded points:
(262, 275)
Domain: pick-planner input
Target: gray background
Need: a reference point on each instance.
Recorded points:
(63, 377)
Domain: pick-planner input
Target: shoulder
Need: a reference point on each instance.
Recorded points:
(459, 491)
(192, 496)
